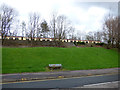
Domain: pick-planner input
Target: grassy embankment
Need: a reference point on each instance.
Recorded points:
(19, 60)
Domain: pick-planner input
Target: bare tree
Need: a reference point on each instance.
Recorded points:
(117, 31)
(60, 26)
(79, 35)
(97, 36)
(90, 36)
(34, 26)
(53, 25)
(23, 25)
(16, 28)
(7, 15)
(71, 34)
(111, 31)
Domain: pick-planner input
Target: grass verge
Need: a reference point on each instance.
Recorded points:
(36, 59)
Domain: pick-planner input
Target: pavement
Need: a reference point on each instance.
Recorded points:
(56, 74)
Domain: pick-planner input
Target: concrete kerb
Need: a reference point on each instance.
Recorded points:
(6, 78)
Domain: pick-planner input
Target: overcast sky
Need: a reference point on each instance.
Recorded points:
(85, 16)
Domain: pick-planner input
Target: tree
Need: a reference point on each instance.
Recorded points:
(90, 36)
(117, 31)
(16, 28)
(97, 36)
(111, 31)
(7, 15)
(24, 33)
(45, 28)
(60, 26)
(34, 26)
(53, 25)
(71, 34)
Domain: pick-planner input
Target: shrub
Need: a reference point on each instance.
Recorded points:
(91, 45)
(101, 44)
(75, 43)
(81, 43)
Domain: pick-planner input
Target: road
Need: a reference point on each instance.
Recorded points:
(63, 83)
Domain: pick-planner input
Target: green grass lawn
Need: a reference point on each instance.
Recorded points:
(36, 59)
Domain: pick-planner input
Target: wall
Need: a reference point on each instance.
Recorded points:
(28, 43)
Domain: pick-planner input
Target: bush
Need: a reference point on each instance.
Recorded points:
(101, 44)
(81, 43)
(75, 43)
(91, 45)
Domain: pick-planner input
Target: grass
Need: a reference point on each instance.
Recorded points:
(36, 59)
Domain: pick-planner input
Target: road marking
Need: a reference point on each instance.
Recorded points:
(56, 79)
(99, 75)
(100, 84)
(97, 84)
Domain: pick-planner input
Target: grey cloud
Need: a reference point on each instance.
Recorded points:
(112, 6)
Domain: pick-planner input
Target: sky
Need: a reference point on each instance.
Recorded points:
(85, 16)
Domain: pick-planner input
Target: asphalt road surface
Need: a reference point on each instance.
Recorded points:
(63, 83)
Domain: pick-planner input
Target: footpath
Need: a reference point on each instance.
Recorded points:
(56, 74)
